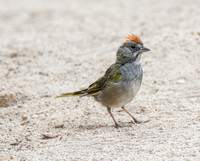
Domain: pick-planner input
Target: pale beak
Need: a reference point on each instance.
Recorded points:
(144, 49)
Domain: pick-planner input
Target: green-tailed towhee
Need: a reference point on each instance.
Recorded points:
(121, 81)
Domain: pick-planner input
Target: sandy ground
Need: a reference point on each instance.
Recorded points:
(51, 47)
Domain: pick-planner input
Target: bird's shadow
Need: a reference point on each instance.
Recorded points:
(94, 127)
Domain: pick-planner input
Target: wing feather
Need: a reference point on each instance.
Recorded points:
(111, 76)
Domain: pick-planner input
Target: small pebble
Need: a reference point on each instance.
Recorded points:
(59, 126)
(181, 81)
(34, 116)
(24, 118)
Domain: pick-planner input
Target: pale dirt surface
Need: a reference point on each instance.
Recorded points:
(51, 47)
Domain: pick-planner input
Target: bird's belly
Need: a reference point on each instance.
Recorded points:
(119, 94)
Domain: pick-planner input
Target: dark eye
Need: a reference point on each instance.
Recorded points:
(133, 47)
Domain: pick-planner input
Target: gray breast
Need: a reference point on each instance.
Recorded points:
(121, 93)
(131, 71)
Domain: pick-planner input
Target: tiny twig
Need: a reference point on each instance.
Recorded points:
(16, 143)
(44, 136)
(59, 126)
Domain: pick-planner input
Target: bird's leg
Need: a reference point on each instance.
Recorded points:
(109, 111)
(135, 120)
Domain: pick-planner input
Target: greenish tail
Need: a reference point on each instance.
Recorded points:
(77, 93)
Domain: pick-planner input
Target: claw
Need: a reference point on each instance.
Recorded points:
(136, 121)
(116, 125)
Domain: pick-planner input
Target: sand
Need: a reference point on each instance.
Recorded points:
(51, 47)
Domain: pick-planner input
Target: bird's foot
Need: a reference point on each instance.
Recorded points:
(136, 121)
(117, 125)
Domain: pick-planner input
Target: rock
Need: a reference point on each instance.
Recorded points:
(181, 81)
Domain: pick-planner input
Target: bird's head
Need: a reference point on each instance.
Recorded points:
(131, 49)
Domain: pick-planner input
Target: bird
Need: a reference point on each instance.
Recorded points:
(121, 81)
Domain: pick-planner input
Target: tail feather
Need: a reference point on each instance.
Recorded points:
(77, 93)
(84, 92)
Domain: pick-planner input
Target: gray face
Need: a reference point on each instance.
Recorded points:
(130, 51)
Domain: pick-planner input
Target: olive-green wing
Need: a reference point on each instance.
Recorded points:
(111, 76)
